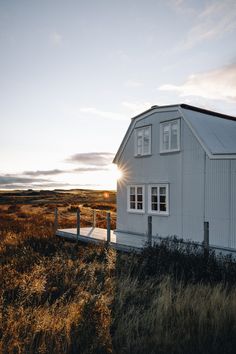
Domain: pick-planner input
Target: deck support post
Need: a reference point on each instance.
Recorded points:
(108, 227)
(149, 233)
(94, 218)
(78, 224)
(206, 236)
(55, 220)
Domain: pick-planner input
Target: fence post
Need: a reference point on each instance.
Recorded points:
(149, 234)
(108, 227)
(55, 220)
(206, 235)
(78, 224)
(94, 218)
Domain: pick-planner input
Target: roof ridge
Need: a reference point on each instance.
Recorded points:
(206, 111)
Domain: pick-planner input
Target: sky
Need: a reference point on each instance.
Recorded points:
(73, 73)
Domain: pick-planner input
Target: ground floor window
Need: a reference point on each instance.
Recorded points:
(158, 199)
(135, 198)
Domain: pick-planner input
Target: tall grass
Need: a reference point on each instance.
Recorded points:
(58, 297)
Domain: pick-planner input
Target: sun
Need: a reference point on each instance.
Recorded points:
(116, 172)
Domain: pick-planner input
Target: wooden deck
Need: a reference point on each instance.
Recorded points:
(119, 240)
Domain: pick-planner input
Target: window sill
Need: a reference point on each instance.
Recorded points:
(135, 211)
(169, 151)
(158, 214)
(146, 155)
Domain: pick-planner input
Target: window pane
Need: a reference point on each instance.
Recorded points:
(162, 198)
(146, 144)
(154, 206)
(132, 190)
(140, 206)
(174, 136)
(162, 190)
(132, 197)
(140, 198)
(154, 198)
(143, 141)
(140, 133)
(139, 145)
(147, 132)
(166, 137)
(132, 205)
(162, 207)
(139, 150)
(154, 190)
(140, 190)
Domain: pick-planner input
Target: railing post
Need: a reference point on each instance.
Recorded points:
(94, 218)
(206, 235)
(78, 224)
(149, 234)
(55, 220)
(108, 227)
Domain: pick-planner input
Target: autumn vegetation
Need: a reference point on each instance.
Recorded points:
(62, 297)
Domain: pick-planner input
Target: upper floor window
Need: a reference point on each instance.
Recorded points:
(170, 136)
(158, 199)
(143, 141)
(135, 198)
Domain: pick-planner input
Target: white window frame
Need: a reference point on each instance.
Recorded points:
(141, 130)
(158, 211)
(169, 124)
(136, 210)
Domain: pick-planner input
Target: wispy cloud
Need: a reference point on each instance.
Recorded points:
(56, 38)
(102, 114)
(215, 84)
(92, 159)
(217, 18)
(89, 169)
(44, 173)
(12, 179)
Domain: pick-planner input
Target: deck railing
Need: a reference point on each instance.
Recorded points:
(106, 218)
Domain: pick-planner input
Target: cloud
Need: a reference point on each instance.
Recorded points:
(45, 185)
(215, 84)
(92, 158)
(216, 19)
(89, 169)
(44, 173)
(102, 114)
(56, 38)
(57, 172)
(12, 179)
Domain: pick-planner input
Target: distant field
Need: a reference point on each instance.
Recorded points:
(16, 205)
(58, 297)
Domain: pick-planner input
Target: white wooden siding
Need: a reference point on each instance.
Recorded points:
(200, 189)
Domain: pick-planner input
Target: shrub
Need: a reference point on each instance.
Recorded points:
(186, 262)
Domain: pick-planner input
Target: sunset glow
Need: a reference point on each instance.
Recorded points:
(73, 75)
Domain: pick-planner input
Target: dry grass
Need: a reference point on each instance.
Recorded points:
(58, 297)
(169, 317)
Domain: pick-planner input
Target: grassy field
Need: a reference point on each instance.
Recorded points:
(59, 297)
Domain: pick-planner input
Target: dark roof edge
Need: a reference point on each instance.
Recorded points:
(155, 107)
(189, 107)
(206, 111)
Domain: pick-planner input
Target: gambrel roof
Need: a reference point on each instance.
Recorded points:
(215, 132)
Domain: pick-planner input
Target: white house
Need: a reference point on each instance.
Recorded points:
(179, 166)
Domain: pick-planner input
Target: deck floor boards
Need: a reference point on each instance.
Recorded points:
(119, 240)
